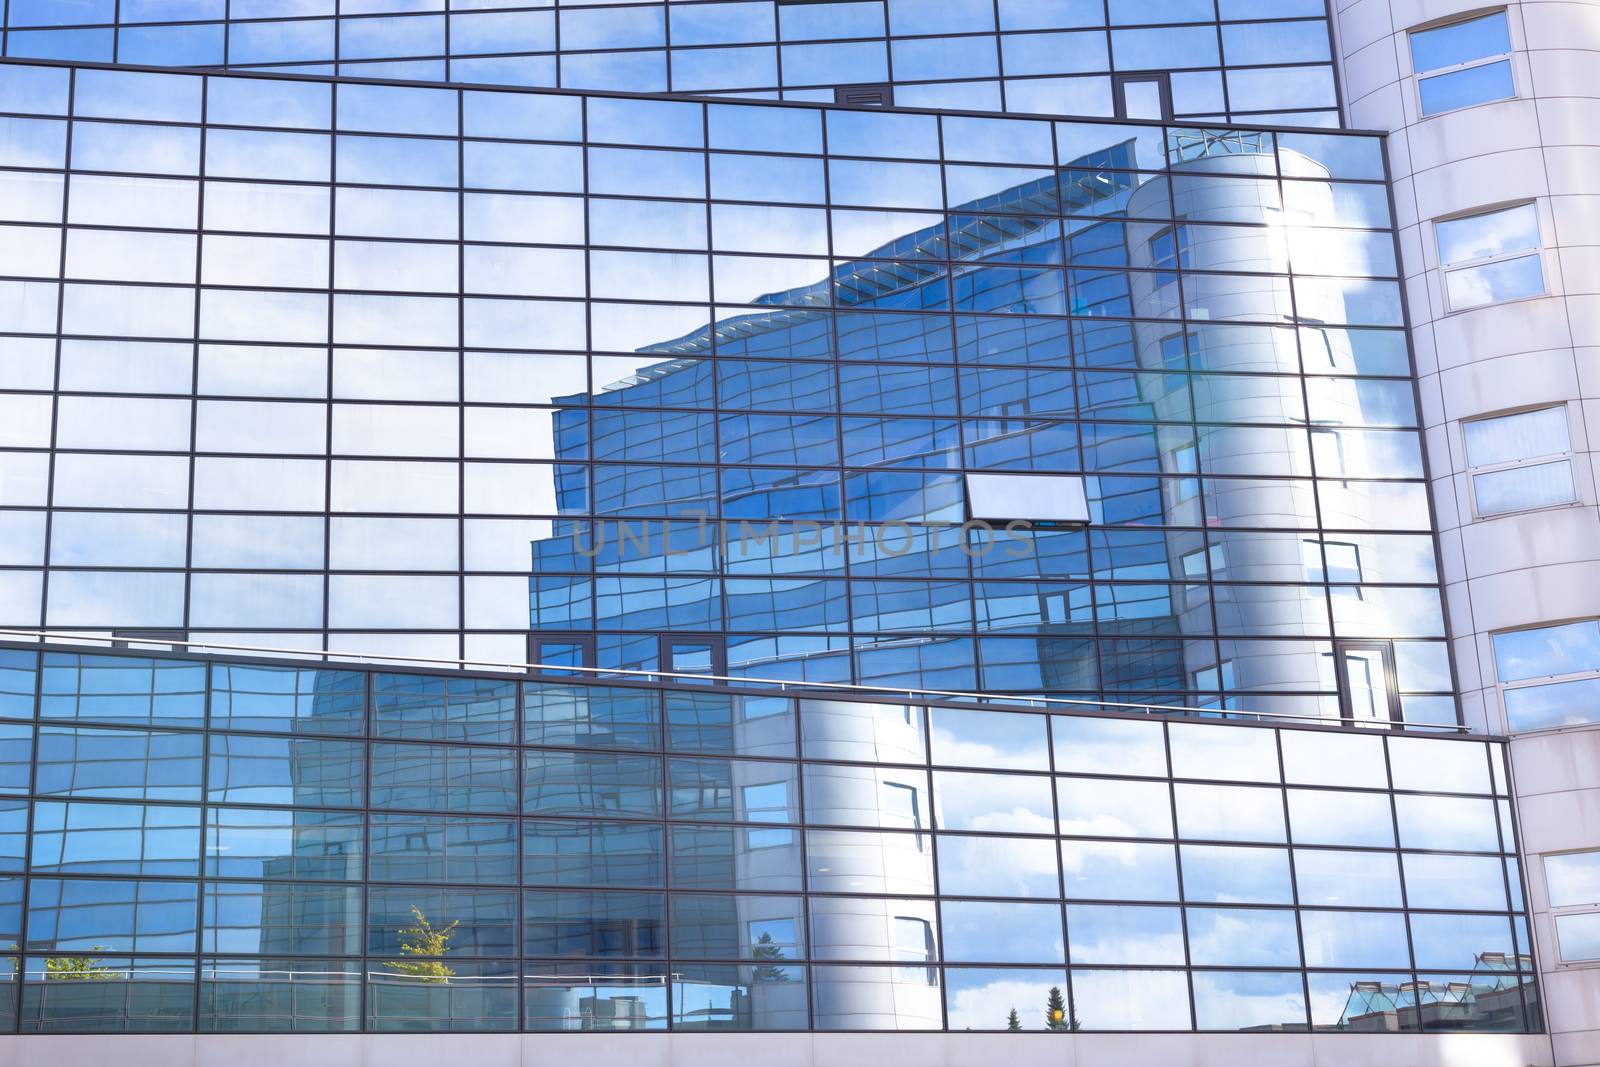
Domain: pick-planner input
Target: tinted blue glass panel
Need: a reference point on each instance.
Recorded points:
(122, 690)
(420, 707)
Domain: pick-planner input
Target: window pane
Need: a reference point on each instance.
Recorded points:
(440, 848)
(1460, 42)
(1086, 745)
(1547, 651)
(279, 995)
(1097, 870)
(1573, 880)
(1464, 88)
(1130, 1000)
(605, 996)
(285, 770)
(593, 924)
(740, 857)
(1004, 867)
(419, 707)
(583, 853)
(887, 733)
(1493, 283)
(1119, 934)
(1579, 936)
(1510, 438)
(1225, 875)
(1493, 233)
(485, 922)
(989, 739)
(986, 932)
(590, 716)
(288, 700)
(1014, 802)
(844, 861)
(1248, 1001)
(1103, 808)
(1537, 485)
(1540, 707)
(292, 917)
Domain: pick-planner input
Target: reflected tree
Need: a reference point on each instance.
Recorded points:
(1013, 1020)
(421, 939)
(768, 949)
(78, 968)
(1056, 1015)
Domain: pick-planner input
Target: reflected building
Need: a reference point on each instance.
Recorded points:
(872, 515)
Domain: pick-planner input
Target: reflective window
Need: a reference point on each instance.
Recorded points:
(1463, 63)
(1491, 257)
(1572, 887)
(1546, 672)
(1520, 462)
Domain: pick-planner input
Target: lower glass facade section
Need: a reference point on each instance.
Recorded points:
(204, 845)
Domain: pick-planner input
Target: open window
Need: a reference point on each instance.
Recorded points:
(694, 654)
(550, 653)
(1147, 95)
(1368, 691)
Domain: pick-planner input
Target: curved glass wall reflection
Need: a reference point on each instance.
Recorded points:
(426, 417)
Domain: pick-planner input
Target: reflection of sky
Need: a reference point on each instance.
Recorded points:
(1014, 803)
(1238, 1001)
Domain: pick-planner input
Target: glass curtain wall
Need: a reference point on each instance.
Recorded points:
(392, 368)
(259, 847)
(1212, 59)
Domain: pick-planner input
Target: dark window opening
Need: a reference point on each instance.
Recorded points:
(1142, 96)
(864, 95)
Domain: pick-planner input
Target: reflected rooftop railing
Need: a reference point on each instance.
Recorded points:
(753, 685)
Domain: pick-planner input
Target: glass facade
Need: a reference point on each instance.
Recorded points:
(218, 845)
(1208, 60)
(403, 369)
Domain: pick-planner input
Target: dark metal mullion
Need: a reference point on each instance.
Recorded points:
(1294, 880)
(1340, 681)
(44, 569)
(328, 387)
(1177, 857)
(368, 733)
(1180, 241)
(836, 378)
(519, 749)
(461, 370)
(1223, 66)
(207, 669)
(1061, 869)
(1399, 857)
(1533, 1009)
(803, 849)
(935, 966)
(949, 268)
